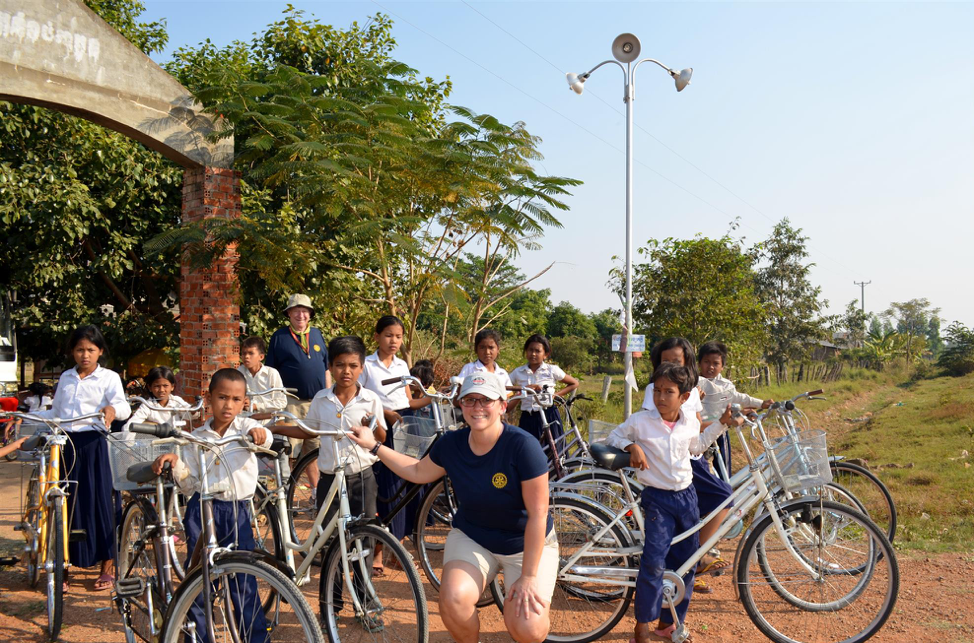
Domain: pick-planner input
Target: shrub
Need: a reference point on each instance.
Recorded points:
(957, 357)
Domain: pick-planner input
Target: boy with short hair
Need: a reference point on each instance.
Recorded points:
(720, 391)
(231, 511)
(261, 377)
(344, 405)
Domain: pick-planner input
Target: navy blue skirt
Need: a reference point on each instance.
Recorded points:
(90, 506)
(531, 422)
(389, 484)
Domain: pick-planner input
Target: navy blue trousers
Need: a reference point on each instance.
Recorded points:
(84, 461)
(531, 422)
(725, 452)
(667, 514)
(231, 523)
(711, 489)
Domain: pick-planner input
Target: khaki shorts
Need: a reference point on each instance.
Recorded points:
(300, 409)
(459, 546)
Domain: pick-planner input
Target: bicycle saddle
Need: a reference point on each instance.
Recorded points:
(141, 473)
(608, 457)
(280, 444)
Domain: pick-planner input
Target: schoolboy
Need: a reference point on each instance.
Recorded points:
(231, 464)
(344, 405)
(720, 391)
(660, 442)
(260, 377)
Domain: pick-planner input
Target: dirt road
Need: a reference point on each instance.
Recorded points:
(936, 601)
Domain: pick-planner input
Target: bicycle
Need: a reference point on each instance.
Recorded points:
(43, 522)
(212, 596)
(793, 554)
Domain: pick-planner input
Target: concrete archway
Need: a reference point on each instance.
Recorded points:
(60, 55)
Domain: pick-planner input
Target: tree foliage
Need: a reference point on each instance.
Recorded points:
(913, 320)
(957, 357)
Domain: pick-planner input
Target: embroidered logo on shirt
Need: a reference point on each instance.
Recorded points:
(317, 348)
(499, 480)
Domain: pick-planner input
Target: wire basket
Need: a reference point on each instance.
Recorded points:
(412, 436)
(802, 462)
(452, 416)
(126, 449)
(598, 430)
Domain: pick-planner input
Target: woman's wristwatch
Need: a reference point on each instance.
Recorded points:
(375, 450)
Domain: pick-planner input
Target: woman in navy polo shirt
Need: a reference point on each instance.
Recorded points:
(500, 476)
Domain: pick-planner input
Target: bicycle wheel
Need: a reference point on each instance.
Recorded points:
(55, 568)
(175, 510)
(32, 529)
(433, 524)
(821, 595)
(586, 610)
(136, 560)
(267, 527)
(602, 486)
(241, 588)
(870, 491)
(301, 498)
(393, 605)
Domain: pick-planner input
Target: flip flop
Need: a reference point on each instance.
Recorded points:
(103, 582)
(700, 586)
(715, 567)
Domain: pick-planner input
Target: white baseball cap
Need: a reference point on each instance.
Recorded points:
(484, 383)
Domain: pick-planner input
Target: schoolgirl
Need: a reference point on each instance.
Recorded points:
(536, 375)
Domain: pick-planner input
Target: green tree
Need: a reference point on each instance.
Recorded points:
(792, 303)
(957, 357)
(607, 324)
(853, 322)
(702, 289)
(567, 321)
(77, 202)
(572, 353)
(913, 322)
(934, 341)
(875, 326)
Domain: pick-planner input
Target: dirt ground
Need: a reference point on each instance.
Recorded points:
(936, 599)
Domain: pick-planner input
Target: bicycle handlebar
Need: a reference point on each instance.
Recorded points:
(57, 421)
(406, 380)
(292, 392)
(168, 409)
(334, 433)
(168, 433)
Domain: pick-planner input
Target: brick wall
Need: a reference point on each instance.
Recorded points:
(209, 313)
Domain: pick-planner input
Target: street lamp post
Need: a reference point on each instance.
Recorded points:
(625, 50)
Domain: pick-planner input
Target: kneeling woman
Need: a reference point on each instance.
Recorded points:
(500, 476)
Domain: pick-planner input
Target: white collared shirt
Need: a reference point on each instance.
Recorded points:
(264, 379)
(691, 407)
(719, 392)
(478, 367)
(547, 374)
(667, 450)
(35, 404)
(145, 414)
(375, 371)
(327, 412)
(232, 464)
(75, 397)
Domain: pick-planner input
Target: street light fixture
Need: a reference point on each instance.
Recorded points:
(625, 50)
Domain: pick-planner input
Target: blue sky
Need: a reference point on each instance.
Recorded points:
(854, 120)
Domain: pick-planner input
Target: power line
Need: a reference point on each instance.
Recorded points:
(862, 300)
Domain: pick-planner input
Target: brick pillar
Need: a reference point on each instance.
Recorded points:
(209, 315)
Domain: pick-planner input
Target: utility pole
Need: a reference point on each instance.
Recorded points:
(862, 299)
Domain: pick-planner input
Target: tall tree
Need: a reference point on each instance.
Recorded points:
(793, 305)
(566, 320)
(853, 322)
(913, 322)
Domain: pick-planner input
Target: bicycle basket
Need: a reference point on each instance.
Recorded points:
(126, 449)
(412, 436)
(451, 415)
(802, 462)
(598, 430)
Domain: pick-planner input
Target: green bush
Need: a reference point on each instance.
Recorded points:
(958, 356)
(573, 354)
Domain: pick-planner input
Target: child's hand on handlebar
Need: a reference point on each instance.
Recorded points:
(767, 403)
(729, 419)
(637, 458)
(362, 436)
(258, 434)
(161, 461)
(109, 413)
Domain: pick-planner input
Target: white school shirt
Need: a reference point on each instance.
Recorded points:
(478, 367)
(232, 463)
(75, 397)
(668, 451)
(691, 407)
(720, 392)
(374, 371)
(327, 412)
(145, 414)
(549, 374)
(34, 404)
(264, 379)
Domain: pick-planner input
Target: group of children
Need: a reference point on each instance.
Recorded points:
(682, 415)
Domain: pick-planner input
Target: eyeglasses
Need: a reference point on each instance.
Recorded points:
(470, 402)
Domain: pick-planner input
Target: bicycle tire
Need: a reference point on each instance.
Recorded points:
(398, 592)
(136, 559)
(871, 492)
(764, 598)
(300, 624)
(607, 490)
(301, 499)
(175, 510)
(266, 525)
(433, 524)
(31, 527)
(55, 575)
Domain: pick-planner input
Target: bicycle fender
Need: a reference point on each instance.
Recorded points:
(262, 556)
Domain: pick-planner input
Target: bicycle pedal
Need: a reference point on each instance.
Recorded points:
(77, 536)
(129, 587)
